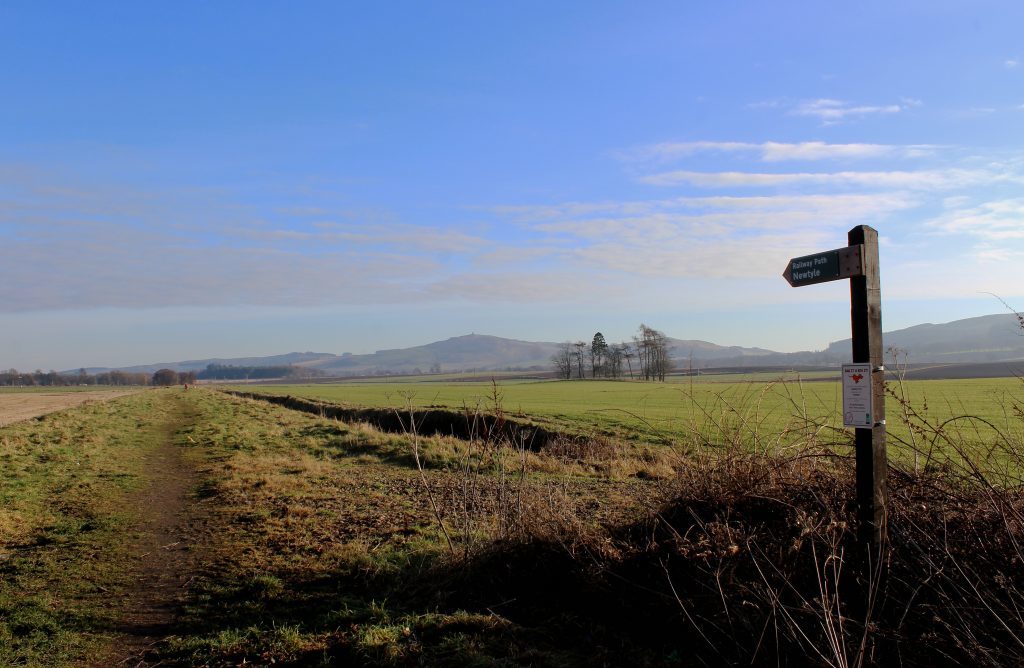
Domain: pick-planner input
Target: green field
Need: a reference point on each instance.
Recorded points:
(751, 409)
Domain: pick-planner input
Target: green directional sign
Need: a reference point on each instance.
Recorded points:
(824, 266)
(814, 268)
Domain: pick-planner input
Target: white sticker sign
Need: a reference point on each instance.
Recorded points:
(857, 408)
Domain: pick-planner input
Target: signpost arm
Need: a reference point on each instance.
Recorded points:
(866, 320)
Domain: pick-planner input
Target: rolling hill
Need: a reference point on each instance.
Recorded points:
(470, 352)
(991, 338)
(987, 338)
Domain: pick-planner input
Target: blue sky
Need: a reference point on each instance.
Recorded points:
(196, 179)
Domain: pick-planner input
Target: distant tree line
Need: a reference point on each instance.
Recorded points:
(39, 378)
(646, 357)
(231, 372)
(168, 377)
(15, 378)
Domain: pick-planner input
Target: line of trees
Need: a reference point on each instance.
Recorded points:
(39, 378)
(646, 357)
(232, 372)
(168, 377)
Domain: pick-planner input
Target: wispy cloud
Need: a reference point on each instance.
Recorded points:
(518, 255)
(1011, 63)
(673, 150)
(815, 150)
(704, 257)
(818, 204)
(915, 180)
(995, 221)
(138, 273)
(776, 151)
(705, 237)
(774, 103)
(987, 253)
(546, 285)
(204, 248)
(737, 237)
(107, 246)
(837, 111)
(392, 236)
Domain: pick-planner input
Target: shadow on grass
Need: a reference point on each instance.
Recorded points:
(754, 567)
(365, 612)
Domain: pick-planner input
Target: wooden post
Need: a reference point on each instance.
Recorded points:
(859, 263)
(866, 322)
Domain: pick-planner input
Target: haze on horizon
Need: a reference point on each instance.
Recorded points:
(204, 180)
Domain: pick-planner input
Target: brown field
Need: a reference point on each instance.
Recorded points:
(18, 406)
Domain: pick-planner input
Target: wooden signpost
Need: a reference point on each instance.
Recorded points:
(863, 406)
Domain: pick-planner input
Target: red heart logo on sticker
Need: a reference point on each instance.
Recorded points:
(856, 377)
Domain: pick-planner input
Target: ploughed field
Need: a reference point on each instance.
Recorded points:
(23, 403)
(198, 527)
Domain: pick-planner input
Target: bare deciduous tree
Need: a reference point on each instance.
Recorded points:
(653, 353)
(650, 349)
(563, 361)
(627, 356)
(579, 346)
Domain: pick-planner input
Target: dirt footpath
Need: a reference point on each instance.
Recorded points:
(17, 406)
(161, 559)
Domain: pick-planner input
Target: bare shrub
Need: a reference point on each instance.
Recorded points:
(588, 450)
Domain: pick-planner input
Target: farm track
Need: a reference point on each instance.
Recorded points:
(161, 559)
